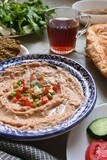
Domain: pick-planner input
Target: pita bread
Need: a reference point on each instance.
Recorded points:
(96, 46)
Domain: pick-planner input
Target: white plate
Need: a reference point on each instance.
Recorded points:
(23, 50)
(77, 140)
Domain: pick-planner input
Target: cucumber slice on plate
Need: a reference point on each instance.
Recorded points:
(97, 129)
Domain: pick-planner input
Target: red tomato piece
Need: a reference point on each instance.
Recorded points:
(18, 96)
(23, 82)
(103, 158)
(24, 98)
(32, 77)
(44, 100)
(55, 88)
(42, 81)
(97, 150)
(46, 90)
(25, 87)
(26, 102)
(30, 104)
(14, 100)
(19, 90)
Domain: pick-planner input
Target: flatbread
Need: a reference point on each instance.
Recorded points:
(96, 46)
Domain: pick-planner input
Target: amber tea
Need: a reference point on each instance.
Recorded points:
(63, 29)
(62, 34)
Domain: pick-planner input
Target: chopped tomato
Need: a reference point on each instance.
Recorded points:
(24, 98)
(55, 88)
(19, 90)
(44, 100)
(46, 90)
(35, 88)
(25, 87)
(18, 96)
(97, 150)
(24, 101)
(14, 100)
(32, 77)
(23, 82)
(42, 81)
(28, 103)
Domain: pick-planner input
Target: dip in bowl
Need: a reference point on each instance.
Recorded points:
(97, 12)
(36, 107)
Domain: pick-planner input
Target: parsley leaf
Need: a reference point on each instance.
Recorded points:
(23, 18)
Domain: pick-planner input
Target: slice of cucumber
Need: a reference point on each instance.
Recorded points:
(97, 129)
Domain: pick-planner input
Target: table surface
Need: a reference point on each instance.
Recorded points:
(57, 145)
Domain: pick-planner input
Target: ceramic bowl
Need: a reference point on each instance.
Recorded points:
(89, 5)
(77, 70)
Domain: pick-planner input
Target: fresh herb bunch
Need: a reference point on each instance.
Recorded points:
(23, 18)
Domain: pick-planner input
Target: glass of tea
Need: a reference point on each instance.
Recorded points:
(63, 28)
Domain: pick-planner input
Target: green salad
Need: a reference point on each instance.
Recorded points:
(22, 18)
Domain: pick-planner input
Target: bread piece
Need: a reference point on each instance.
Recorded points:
(96, 46)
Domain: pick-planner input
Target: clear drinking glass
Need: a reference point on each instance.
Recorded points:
(63, 28)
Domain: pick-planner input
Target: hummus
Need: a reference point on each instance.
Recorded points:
(38, 95)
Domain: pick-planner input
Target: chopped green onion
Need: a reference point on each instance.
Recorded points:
(50, 96)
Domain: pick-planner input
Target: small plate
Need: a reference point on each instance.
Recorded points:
(85, 108)
(77, 141)
(23, 50)
(21, 35)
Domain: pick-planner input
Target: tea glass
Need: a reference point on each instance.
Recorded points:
(63, 28)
